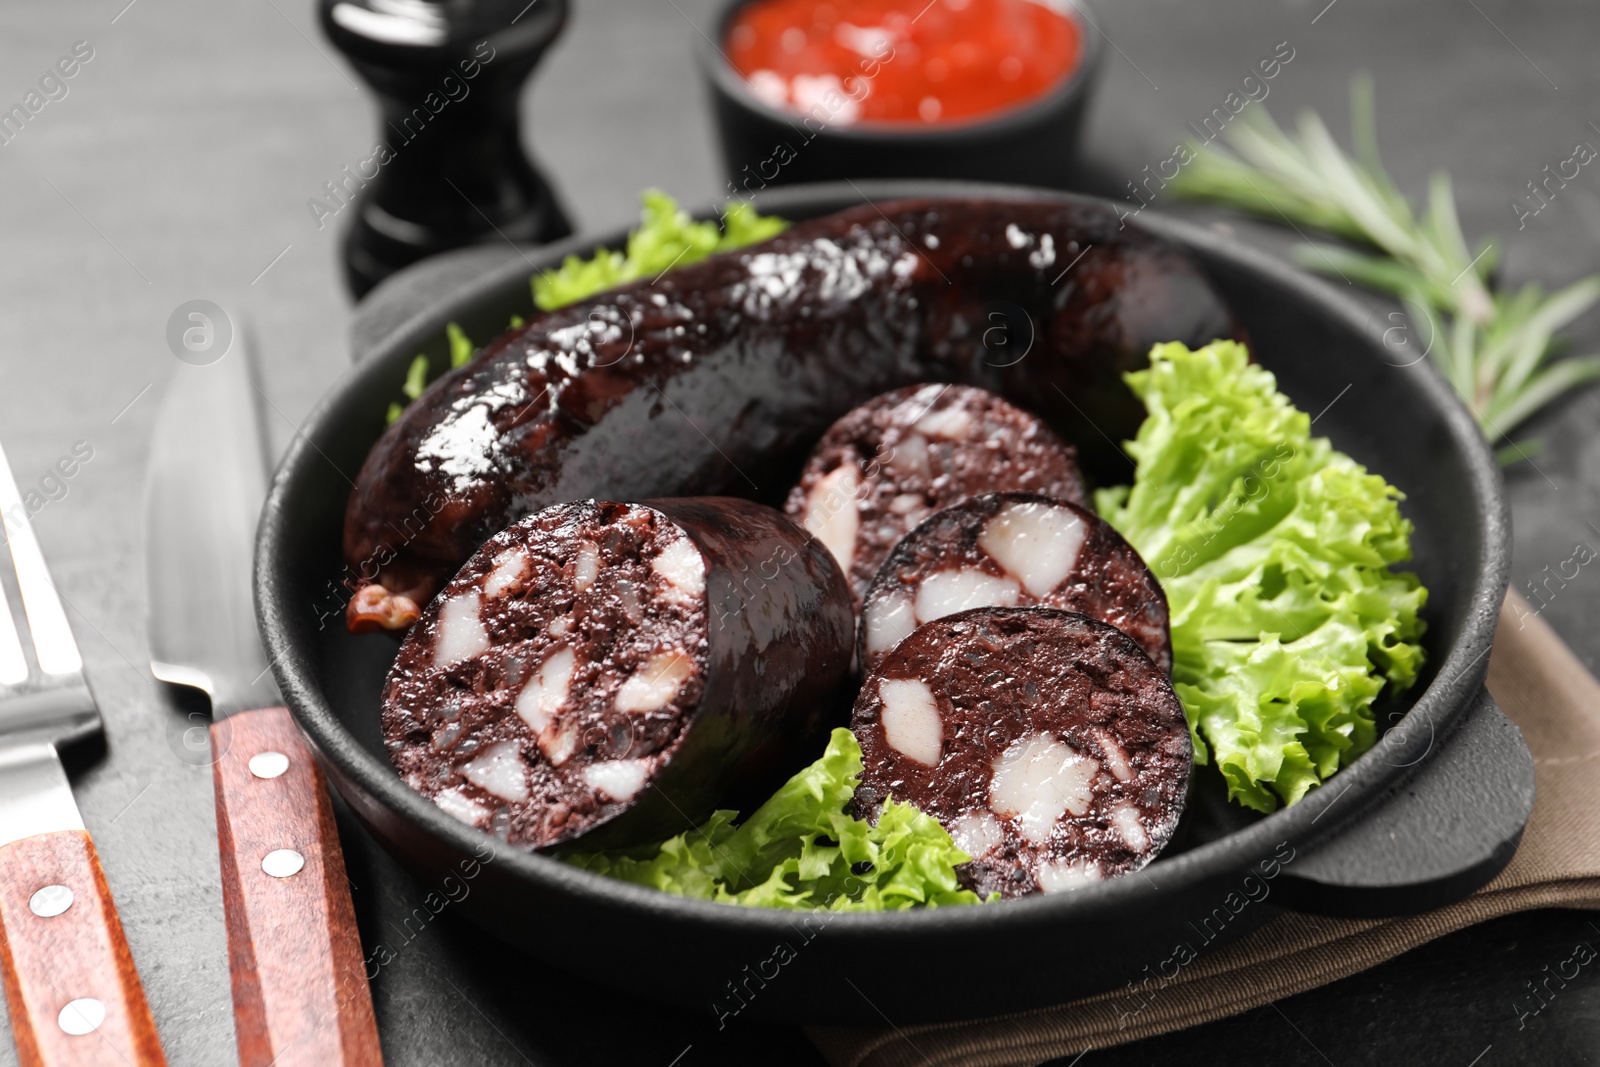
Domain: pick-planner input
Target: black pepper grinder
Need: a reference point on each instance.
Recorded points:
(448, 168)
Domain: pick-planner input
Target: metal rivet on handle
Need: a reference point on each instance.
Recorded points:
(81, 1016)
(268, 764)
(50, 901)
(283, 863)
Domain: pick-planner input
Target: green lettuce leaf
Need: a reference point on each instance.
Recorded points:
(461, 346)
(1274, 551)
(802, 850)
(667, 237)
(416, 378)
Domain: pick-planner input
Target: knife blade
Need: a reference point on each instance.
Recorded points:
(300, 991)
(208, 477)
(71, 986)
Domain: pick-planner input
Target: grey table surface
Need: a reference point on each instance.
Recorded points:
(178, 166)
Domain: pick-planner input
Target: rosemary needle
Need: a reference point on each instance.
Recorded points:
(1497, 349)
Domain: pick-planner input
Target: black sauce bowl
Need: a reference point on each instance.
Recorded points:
(1035, 143)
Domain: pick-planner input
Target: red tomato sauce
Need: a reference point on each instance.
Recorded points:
(901, 61)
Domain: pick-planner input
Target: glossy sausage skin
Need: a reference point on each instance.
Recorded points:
(781, 633)
(717, 377)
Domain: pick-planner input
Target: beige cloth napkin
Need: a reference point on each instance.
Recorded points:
(1540, 684)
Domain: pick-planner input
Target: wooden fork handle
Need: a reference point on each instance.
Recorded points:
(74, 995)
(300, 992)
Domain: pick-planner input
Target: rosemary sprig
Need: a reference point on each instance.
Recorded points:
(1498, 349)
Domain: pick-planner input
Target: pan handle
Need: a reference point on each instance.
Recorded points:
(1438, 834)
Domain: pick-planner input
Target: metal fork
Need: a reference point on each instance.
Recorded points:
(70, 981)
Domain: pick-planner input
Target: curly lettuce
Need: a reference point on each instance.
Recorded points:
(667, 237)
(801, 850)
(1274, 551)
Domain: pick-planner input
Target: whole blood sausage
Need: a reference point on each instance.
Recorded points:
(901, 456)
(1014, 550)
(1048, 744)
(619, 670)
(718, 376)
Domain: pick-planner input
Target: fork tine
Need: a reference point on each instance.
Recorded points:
(13, 665)
(52, 636)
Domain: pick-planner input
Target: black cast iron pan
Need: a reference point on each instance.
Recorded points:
(1431, 813)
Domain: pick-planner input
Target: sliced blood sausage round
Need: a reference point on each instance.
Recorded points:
(1048, 744)
(619, 670)
(717, 377)
(1014, 550)
(900, 457)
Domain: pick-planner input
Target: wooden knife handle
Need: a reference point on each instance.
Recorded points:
(74, 995)
(300, 993)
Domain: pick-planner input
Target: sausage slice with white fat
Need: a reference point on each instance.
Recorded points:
(616, 671)
(1048, 745)
(1014, 550)
(895, 460)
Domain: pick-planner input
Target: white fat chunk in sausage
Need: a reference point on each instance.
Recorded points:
(977, 833)
(947, 592)
(952, 423)
(1066, 875)
(509, 567)
(1045, 254)
(1037, 780)
(888, 621)
(469, 811)
(618, 779)
(499, 769)
(654, 684)
(558, 742)
(547, 690)
(911, 454)
(1116, 758)
(587, 569)
(905, 503)
(560, 626)
(911, 722)
(460, 634)
(1036, 542)
(831, 512)
(1125, 817)
(684, 569)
